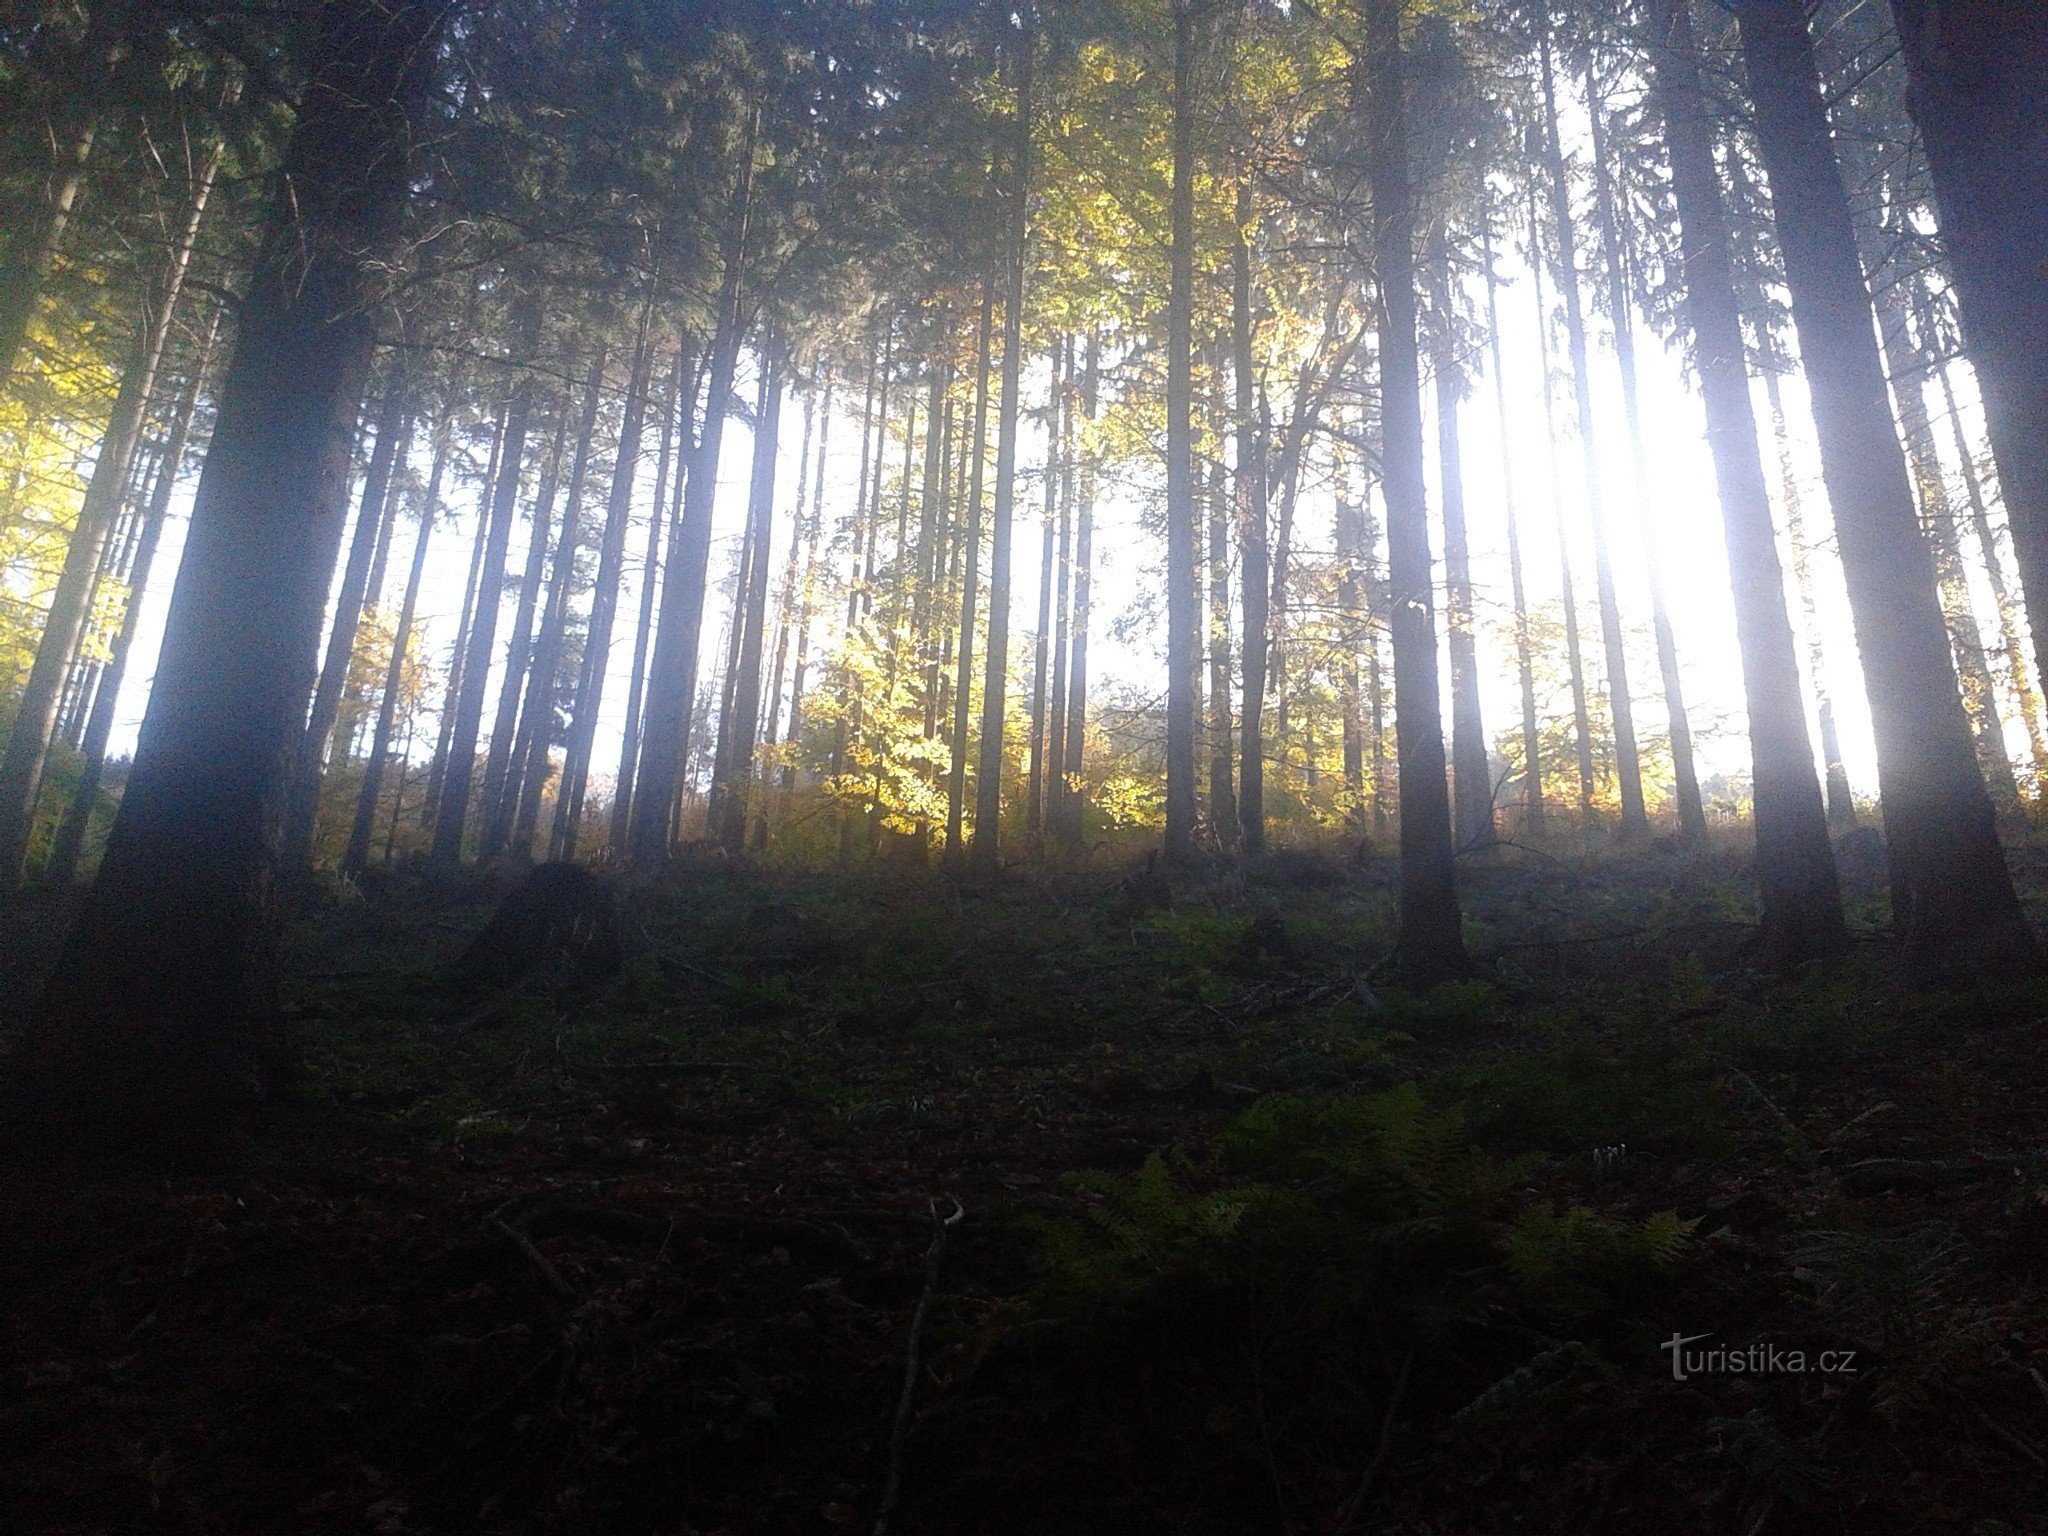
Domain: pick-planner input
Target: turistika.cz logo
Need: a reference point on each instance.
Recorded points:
(1751, 1360)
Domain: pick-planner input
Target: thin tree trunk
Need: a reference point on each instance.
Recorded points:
(963, 676)
(1692, 816)
(1978, 72)
(1801, 917)
(1471, 779)
(1841, 804)
(35, 716)
(295, 852)
(62, 866)
(732, 788)
(2025, 694)
(988, 787)
(1223, 813)
(1431, 946)
(1582, 729)
(1627, 763)
(356, 857)
(1948, 871)
(496, 792)
(458, 651)
(1525, 671)
(1183, 602)
(162, 1014)
(604, 600)
(527, 778)
(1041, 641)
(1254, 572)
(1076, 732)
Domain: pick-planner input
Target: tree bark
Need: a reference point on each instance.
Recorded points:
(1254, 558)
(28, 739)
(356, 856)
(672, 681)
(1076, 800)
(732, 785)
(1978, 73)
(1948, 870)
(1801, 916)
(99, 726)
(1431, 945)
(1471, 779)
(963, 676)
(1183, 602)
(1628, 766)
(988, 785)
(1525, 670)
(162, 1012)
(1685, 785)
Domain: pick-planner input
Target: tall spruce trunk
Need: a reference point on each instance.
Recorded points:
(1041, 640)
(963, 676)
(732, 786)
(1628, 768)
(1685, 782)
(62, 866)
(1183, 602)
(162, 1014)
(1834, 772)
(1075, 736)
(376, 506)
(1574, 650)
(2025, 693)
(35, 716)
(1978, 73)
(492, 794)
(356, 856)
(1960, 914)
(988, 785)
(1471, 780)
(458, 772)
(1431, 945)
(1525, 669)
(526, 778)
(604, 597)
(1254, 558)
(1223, 814)
(672, 681)
(1801, 902)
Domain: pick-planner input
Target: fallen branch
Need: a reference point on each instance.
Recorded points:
(892, 1492)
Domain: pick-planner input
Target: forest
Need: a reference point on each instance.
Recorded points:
(926, 765)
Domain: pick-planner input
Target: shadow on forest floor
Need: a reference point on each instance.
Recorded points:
(1252, 1242)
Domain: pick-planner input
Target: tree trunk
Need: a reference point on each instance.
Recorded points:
(732, 787)
(162, 1013)
(356, 857)
(394, 423)
(459, 649)
(1183, 602)
(988, 786)
(28, 739)
(1692, 816)
(498, 759)
(672, 682)
(1041, 644)
(604, 598)
(1351, 629)
(1075, 803)
(1627, 763)
(1841, 804)
(1801, 917)
(1254, 557)
(1223, 813)
(1525, 671)
(1582, 728)
(458, 771)
(1431, 946)
(70, 842)
(527, 777)
(1471, 779)
(1948, 871)
(1978, 72)
(963, 676)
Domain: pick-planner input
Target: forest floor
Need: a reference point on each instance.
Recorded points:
(1250, 1241)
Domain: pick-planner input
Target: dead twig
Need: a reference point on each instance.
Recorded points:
(1355, 1505)
(893, 1490)
(516, 1236)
